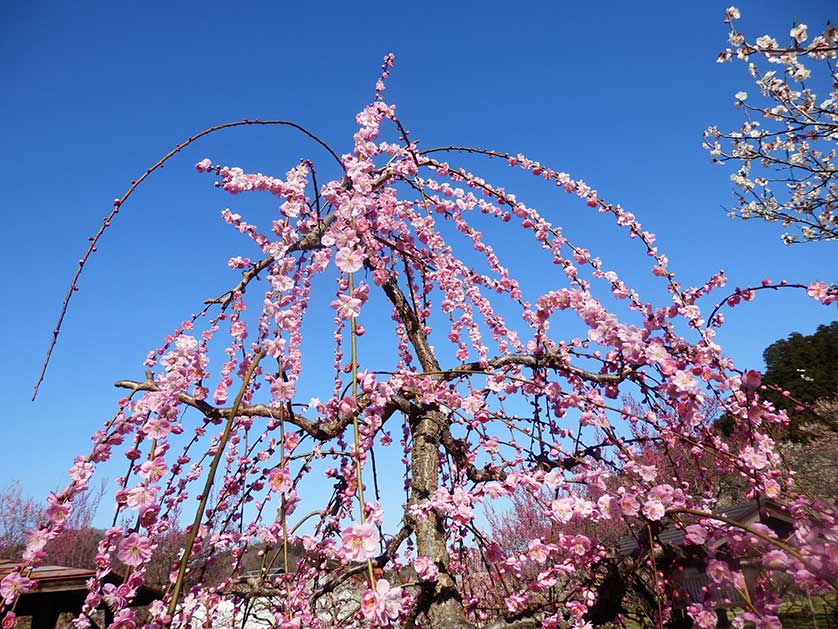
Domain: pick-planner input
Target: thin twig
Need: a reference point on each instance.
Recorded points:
(117, 204)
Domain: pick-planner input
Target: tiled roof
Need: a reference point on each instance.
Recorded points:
(672, 534)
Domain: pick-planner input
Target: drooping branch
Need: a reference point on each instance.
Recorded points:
(177, 586)
(306, 243)
(321, 431)
(119, 202)
(413, 326)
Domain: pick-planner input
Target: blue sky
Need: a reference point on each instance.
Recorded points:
(615, 93)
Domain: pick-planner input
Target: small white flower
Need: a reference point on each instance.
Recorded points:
(767, 42)
(799, 33)
(741, 96)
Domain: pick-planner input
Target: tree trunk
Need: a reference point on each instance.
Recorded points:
(443, 606)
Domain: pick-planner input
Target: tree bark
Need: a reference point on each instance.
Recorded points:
(443, 606)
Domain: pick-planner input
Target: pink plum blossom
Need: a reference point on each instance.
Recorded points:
(360, 542)
(629, 505)
(382, 605)
(279, 479)
(695, 534)
(751, 379)
(135, 550)
(426, 569)
(822, 292)
(654, 509)
(562, 508)
(13, 585)
(204, 165)
(718, 571)
(349, 259)
(347, 307)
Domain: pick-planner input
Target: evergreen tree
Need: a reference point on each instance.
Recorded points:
(807, 368)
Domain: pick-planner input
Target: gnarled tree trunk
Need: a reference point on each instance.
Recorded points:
(442, 605)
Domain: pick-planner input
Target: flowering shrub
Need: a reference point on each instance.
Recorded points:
(485, 394)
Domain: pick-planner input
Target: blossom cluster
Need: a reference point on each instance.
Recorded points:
(784, 152)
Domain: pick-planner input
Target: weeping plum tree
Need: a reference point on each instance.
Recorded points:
(486, 392)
